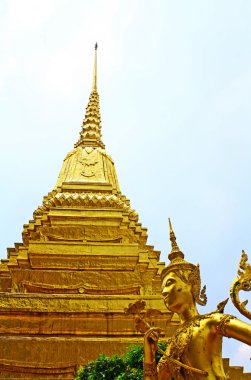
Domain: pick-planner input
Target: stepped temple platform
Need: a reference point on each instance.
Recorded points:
(84, 258)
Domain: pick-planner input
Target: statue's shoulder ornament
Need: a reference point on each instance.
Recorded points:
(219, 320)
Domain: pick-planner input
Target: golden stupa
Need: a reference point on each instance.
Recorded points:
(84, 258)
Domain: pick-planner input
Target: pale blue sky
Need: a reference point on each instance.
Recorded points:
(174, 79)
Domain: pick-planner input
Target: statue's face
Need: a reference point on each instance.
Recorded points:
(177, 294)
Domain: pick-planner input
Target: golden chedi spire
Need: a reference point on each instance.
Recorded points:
(88, 162)
(88, 176)
(84, 252)
(90, 134)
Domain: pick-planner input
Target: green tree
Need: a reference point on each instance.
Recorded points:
(126, 367)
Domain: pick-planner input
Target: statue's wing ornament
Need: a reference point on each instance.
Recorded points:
(242, 282)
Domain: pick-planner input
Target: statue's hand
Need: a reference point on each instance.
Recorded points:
(151, 344)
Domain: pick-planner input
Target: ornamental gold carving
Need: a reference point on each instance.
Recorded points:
(242, 282)
(86, 234)
(31, 287)
(89, 163)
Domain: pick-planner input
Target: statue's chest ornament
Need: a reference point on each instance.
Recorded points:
(176, 346)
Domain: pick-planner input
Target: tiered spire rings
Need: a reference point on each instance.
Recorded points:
(90, 134)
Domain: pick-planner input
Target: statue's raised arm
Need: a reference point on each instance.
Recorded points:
(194, 351)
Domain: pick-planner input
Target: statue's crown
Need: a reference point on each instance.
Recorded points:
(177, 263)
(176, 257)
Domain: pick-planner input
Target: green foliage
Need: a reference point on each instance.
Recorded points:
(102, 368)
(158, 354)
(127, 367)
(134, 356)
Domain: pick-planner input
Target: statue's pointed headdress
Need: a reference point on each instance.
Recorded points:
(177, 263)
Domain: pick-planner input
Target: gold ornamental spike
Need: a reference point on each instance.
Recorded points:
(172, 234)
(175, 251)
(94, 83)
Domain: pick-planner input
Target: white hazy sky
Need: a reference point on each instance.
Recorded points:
(174, 80)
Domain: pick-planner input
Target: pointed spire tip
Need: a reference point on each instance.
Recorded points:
(170, 225)
(94, 83)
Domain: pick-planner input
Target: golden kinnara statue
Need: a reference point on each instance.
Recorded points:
(195, 350)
